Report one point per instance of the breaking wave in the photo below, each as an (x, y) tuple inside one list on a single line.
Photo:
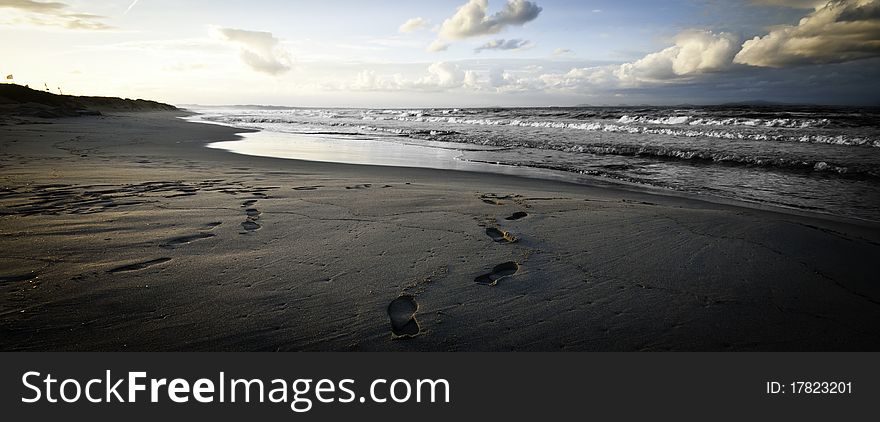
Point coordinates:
[(839, 139)]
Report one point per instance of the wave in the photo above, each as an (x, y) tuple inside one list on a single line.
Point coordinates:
[(626, 150), (258, 120), (234, 120), (725, 158), (626, 128), (694, 155), (729, 121), (746, 158)]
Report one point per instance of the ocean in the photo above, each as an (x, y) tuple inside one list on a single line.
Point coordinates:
[(817, 159)]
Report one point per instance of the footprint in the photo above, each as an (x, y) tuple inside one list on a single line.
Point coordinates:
[(139, 266), (402, 312), (250, 225), (182, 240), (500, 271), (630, 201), (500, 236), (248, 203), (517, 215), (252, 213), (494, 199), (363, 186)]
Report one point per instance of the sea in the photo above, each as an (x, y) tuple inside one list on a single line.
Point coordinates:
[(810, 158)]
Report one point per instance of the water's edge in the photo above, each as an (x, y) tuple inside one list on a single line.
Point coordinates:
[(249, 135)]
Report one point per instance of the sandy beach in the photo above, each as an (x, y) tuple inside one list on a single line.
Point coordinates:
[(124, 232)]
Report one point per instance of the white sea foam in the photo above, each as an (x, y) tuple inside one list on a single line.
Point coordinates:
[(655, 130)]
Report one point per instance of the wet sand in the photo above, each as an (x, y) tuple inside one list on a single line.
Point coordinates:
[(125, 232)]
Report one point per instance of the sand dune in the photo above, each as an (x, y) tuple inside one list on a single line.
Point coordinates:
[(18, 101)]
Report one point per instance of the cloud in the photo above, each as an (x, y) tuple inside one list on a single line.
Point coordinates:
[(369, 80), (502, 44), (580, 79), (839, 31), (413, 25), (438, 45), (472, 19), (694, 52), (562, 51), (439, 76), (464, 76), (28, 12), (442, 75), (259, 50), (34, 6), (502, 81)]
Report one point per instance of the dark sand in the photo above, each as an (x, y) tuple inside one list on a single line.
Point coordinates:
[(125, 233)]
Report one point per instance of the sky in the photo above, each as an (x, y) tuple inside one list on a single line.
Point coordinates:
[(447, 53)]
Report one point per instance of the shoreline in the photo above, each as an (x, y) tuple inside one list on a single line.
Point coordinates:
[(554, 176), (154, 238)]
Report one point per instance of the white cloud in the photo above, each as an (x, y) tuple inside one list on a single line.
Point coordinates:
[(413, 25), (472, 19), (34, 6), (694, 52), (438, 45), (839, 31), (502, 81), (369, 80), (502, 44), (562, 51), (259, 50), (498, 78), (442, 75), (580, 79), (439, 76), (38, 13)]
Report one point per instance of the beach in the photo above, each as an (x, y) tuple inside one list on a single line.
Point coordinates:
[(125, 232)]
